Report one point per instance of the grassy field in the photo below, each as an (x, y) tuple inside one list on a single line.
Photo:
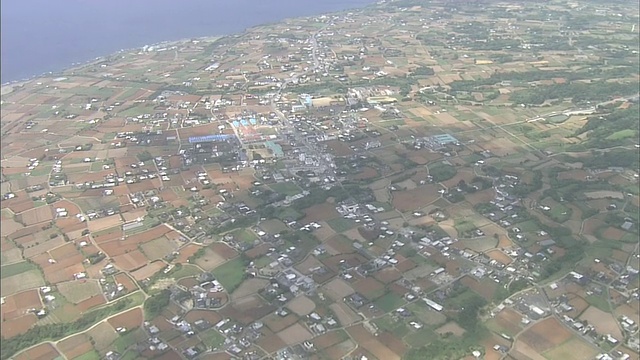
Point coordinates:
[(421, 337), (389, 302), (396, 327), (528, 226), (340, 224), (245, 235), (622, 134), (463, 226), (212, 338), (124, 342), (15, 269), (289, 213), (230, 274), (262, 261), (286, 188), (599, 302), (91, 355)]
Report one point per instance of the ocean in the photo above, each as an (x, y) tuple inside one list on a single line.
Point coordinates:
[(39, 36)]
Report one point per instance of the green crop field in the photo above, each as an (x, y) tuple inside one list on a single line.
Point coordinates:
[(230, 274), (15, 269)]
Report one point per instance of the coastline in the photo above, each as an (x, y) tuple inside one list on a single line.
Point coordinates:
[(361, 4), (79, 65)]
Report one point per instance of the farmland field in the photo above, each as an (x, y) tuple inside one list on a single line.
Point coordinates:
[(77, 291), (230, 274), (20, 282), (545, 335), (158, 248), (389, 302), (103, 335), (286, 188), (17, 268), (210, 260), (341, 225), (574, 349)]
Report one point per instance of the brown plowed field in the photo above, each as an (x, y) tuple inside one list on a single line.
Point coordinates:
[(545, 335), (417, 198), (91, 303), (75, 346), (148, 270), (320, 212), (365, 339), (130, 261), (211, 316), (129, 320), (40, 352), (18, 325), (295, 334), (224, 250)]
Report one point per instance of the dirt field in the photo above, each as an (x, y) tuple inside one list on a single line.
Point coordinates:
[(77, 291), (366, 340), (195, 315), (613, 233), (20, 282), (17, 305), (320, 212), (103, 335), (343, 312), (278, 323), (499, 256), (40, 352), (224, 250), (148, 270), (271, 342), (545, 335), (309, 263), (604, 322), (509, 321), (17, 325), (186, 252), (126, 281), (37, 215), (91, 302), (525, 352), (329, 339), (295, 334), (130, 261), (574, 349), (75, 346), (450, 327), (339, 351), (417, 198), (210, 260), (249, 287), (337, 289), (129, 320), (104, 223), (301, 305)]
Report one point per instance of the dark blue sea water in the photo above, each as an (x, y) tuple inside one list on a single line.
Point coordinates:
[(39, 36)]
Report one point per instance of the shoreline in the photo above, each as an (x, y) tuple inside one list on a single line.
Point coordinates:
[(78, 65)]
